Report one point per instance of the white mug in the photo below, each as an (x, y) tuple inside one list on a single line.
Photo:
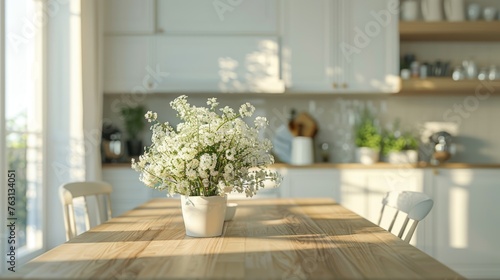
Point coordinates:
[(432, 10), (409, 10), (454, 10)]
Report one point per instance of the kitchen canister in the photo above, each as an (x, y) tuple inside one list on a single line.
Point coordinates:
[(302, 150), (454, 10), (489, 13), (473, 11), (409, 10), (432, 10)]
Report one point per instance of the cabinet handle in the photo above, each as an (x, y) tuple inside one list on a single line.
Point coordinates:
[(334, 85), (344, 85)]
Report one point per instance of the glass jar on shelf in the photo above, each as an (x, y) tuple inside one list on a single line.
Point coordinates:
[(493, 74), (458, 73), (483, 74)]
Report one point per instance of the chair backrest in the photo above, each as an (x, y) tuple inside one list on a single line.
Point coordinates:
[(415, 204), (70, 191)]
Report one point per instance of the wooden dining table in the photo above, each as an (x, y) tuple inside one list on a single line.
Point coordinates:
[(267, 239)]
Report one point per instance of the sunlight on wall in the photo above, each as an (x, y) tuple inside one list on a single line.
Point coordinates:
[(458, 210), (257, 72)]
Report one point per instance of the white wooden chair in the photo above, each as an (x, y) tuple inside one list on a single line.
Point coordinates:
[(70, 191), (415, 204)]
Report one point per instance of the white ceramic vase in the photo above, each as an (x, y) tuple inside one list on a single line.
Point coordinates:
[(203, 215), (367, 155)]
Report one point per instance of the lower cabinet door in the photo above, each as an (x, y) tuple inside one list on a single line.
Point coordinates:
[(467, 226), (128, 191), (311, 182)]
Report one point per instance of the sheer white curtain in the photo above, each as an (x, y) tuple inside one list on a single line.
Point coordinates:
[(3, 176), (74, 107)]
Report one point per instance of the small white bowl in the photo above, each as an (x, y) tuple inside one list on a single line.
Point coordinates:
[(230, 211)]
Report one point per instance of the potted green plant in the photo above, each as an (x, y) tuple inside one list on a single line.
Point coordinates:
[(134, 125), (368, 139), (400, 148)]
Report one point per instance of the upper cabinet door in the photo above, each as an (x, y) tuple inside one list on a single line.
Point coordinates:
[(218, 16), (368, 46), (129, 16), (219, 63), (307, 59), (127, 65), (341, 46)]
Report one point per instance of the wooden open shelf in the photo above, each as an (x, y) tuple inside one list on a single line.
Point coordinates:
[(449, 31), (448, 86)]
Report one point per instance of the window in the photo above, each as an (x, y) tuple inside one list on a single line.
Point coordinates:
[(23, 95)]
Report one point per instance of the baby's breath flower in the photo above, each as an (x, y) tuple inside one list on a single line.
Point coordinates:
[(150, 116), (207, 153), (230, 154), (246, 110), (212, 102), (260, 122)]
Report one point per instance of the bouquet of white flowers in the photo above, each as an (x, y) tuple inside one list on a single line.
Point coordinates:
[(211, 152)]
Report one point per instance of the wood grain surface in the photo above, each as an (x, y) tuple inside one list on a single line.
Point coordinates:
[(267, 239)]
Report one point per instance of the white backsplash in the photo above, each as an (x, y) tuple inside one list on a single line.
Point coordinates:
[(478, 126)]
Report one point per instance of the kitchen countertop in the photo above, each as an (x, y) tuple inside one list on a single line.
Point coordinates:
[(379, 165)]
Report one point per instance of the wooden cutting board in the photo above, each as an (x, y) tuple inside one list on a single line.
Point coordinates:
[(303, 125)]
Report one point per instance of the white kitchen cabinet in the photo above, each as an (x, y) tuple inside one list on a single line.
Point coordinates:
[(341, 46), (310, 182), (128, 66), (128, 191), (218, 63), (307, 55), (218, 17), (129, 16), (362, 191), (467, 226), (369, 46)]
